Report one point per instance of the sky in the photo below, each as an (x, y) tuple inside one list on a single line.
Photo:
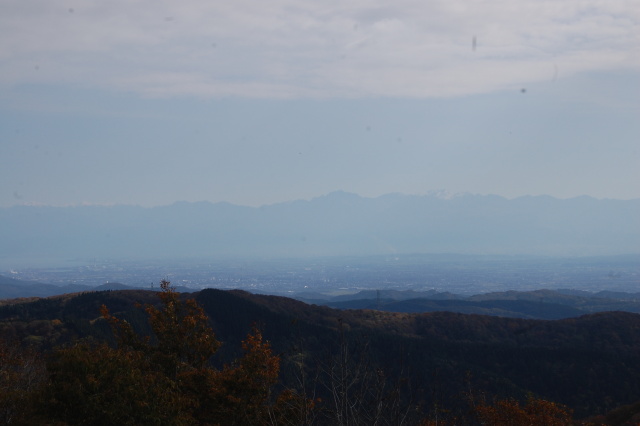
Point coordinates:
[(257, 102)]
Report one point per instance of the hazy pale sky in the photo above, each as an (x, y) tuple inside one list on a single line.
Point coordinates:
[(255, 102)]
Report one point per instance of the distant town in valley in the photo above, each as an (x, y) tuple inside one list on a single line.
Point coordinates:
[(331, 276)]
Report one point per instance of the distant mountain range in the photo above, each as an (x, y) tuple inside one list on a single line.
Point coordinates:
[(336, 224), (537, 304), (11, 288)]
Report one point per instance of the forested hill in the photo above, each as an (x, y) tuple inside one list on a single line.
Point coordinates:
[(537, 304), (590, 363)]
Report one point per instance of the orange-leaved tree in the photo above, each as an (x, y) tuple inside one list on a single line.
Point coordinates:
[(166, 378), (183, 339), (534, 412), (241, 393)]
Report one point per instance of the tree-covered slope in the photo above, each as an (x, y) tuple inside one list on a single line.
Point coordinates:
[(590, 363)]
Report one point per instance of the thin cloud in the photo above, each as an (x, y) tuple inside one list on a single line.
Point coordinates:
[(287, 49)]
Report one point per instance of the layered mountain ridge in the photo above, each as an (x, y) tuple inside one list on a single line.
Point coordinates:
[(336, 224)]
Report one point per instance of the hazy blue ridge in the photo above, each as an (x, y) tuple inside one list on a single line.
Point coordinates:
[(335, 224)]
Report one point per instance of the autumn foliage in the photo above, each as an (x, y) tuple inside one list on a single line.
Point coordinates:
[(166, 378), (22, 375), (534, 412), (162, 366)]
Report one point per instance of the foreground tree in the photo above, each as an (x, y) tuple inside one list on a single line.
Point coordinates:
[(22, 377), (358, 391), (94, 384), (165, 378), (241, 393)]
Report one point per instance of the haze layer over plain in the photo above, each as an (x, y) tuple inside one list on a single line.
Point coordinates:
[(336, 224)]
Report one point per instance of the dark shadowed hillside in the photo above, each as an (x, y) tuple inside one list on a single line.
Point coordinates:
[(537, 304), (591, 363)]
